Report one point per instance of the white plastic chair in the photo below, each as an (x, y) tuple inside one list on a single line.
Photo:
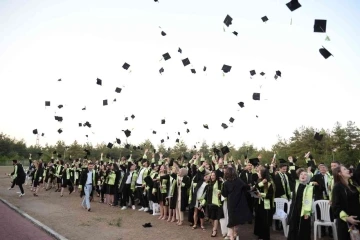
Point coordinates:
[(280, 213), (325, 216), (156, 209)]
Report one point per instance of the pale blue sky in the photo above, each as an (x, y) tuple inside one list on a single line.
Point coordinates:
[(79, 41)]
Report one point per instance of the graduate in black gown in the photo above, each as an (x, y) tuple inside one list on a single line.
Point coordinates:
[(299, 220)]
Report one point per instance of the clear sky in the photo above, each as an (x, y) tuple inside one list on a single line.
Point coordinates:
[(79, 41)]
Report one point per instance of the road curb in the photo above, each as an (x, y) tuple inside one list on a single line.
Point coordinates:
[(34, 221)]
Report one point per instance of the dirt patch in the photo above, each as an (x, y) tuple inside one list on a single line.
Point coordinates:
[(66, 216)]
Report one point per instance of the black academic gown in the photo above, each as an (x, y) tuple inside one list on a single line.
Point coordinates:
[(20, 174), (299, 227), (263, 217), (238, 210), (184, 193)]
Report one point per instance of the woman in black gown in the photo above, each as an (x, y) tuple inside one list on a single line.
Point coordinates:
[(299, 220), (345, 202)]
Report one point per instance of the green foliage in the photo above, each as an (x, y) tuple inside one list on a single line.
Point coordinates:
[(342, 143)]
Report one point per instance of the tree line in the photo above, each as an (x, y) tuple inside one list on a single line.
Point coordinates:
[(341, 143)]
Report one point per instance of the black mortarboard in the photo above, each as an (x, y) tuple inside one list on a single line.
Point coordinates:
[(127, 146), (206, 126), (278, 73), (127, 133), (126, 66), (166, 56), (325, 53), (98, 81), (254, 161), (110, 145), (86, 135), (282, 161), (262, 73), (58, 118), (193, 71), (118, 90), (179, 133), (187, 130), (226, 68), (264, 19), (225, 150), (126, 118), (318, 136), (204, 69), (185, 122), (47, 103), (105, 102), (241, 104), (134, 148), (231, 120), (163, 33), (293, 5), (114, 100), (168, 138), (320, 26), (294, 159), (59, 130), (80, 124), (42, 134), (83, 108), (118, 141), (224, 125), (161, 70), (228, 20), (154, 132), (180, 51), (132, 116), (186, 62), (256, 96), (235, 33), (35, 131), (60, 106), (310, 163), (276, 76), (162, 141), (59, 80), (216, 151), (163, 121), (87, 124), (252, 72), (177, 140)]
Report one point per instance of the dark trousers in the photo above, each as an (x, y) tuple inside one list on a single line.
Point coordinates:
[(126, 194), (13, 184), (116, 195), (102, 192), (140, 195), (21, 188)]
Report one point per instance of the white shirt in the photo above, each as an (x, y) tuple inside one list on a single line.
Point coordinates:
[(140, 177), (128, 180), (89, 178)]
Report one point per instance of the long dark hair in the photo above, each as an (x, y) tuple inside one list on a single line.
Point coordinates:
[(230, 174), (338, 178)]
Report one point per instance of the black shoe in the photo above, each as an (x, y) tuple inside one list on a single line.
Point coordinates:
[(151, 212)]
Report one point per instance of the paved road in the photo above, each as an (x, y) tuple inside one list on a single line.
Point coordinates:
[(14, 227)]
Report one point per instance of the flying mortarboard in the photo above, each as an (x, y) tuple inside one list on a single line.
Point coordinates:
[(132, 116), (252, 72), (163, 121), (187, 130), (318, 136), (43, 134), (262, 73), (118, 141), (216, 151), (60, 106), (180, 51), (154, 132), (293, 5), (126, 66), (206, 126), (282, 161), (80, 124), (163, 33), (241, 104), (265, 19), (231, 120), (166, 56), (60, 131), (98, 81), (310, 163), (110, 145), (256, 96), (177, 140), (228, 20), (35, 131), (224, 125), (235, 33), (58, 118), (320, 26), (84, 108), (126, 118), (105, 102), (185, 122), (193, 71), (186, 61), (225, 150), (325, 53), (254, 161), (47, 103), (118, 90), (127, 133), (204, 69), (162, 141), (179, 133), (226, 68), (278, 73), (59, 80), (127, 146), (161, 70)]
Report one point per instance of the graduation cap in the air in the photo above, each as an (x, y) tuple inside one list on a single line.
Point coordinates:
[(162, 141), (223, 125), (216, 151), (127, 133), (293, 5), (227, 20), (154, 132), (225, 150), (98, 81), (43, 134), (206, 126), (256, 96), (83, 108), (58, 118), (254, 161), (186, 61), (231, 120), (294, 159), (278, 73), (241, 104), (320, 26), (126, 118), (185, 122), (325, 53), (47, 103), (177, 140), (235, 33), (87, 124), (187, 130), (114, 100), (262, 73), (204, 69), (59, 80), (193, 71), (179, 133), (282, 161), (161, 70), (35, 131), (167, 137), (105, 102), (60, 130), (127, 146), (126, 66), (132, 116), (318, 136), (110, 145), (226, 68), (310, 163), (60, 106), (80, 124), (179, 50), (163, 33), (118, 141), (252, 72), (264, 19), (166, 56), (118, 90), (163, 121)]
